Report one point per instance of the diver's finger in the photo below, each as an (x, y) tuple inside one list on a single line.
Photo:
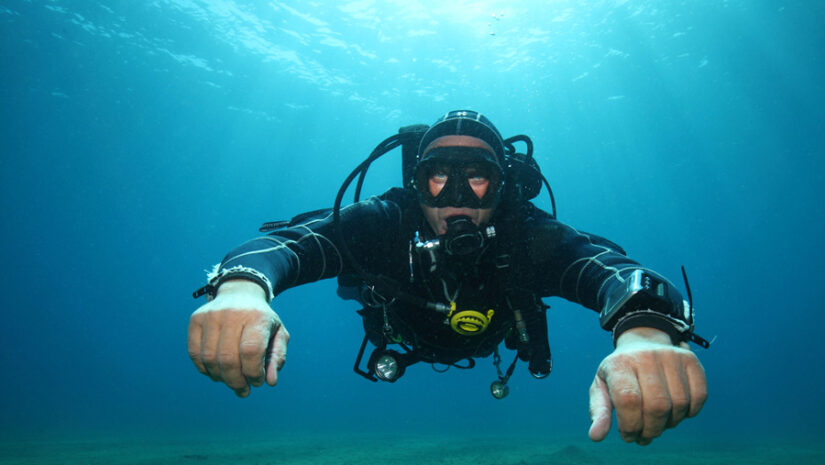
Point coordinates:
[(276, 354), (601, 410), (209, 346), (253, 345), (229, 357), (656, 403), (679, 389), (193, 342), (698, 386), (626, 396)]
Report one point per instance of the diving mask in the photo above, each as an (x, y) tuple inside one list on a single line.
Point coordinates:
[(458, 171)]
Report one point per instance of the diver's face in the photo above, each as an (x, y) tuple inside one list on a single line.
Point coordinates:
[(437, 217), (458, 180)]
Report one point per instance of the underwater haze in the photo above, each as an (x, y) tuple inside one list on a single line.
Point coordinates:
[(143, 140)]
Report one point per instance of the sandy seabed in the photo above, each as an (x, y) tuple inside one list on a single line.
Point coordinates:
[(331, 448)]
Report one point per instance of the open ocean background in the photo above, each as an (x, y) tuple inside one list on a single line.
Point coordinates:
[(142, 140)]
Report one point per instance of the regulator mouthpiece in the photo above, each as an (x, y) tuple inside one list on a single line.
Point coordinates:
[(464, 238)]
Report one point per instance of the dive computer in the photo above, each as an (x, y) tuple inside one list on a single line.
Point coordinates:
[(645, 295)]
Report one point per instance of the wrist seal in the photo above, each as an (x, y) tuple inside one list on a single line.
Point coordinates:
[(676, 329)]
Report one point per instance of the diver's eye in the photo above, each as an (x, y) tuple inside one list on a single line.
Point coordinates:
[(478, 179), (437, 182), (479, 186), (475, 175), (475, 170)]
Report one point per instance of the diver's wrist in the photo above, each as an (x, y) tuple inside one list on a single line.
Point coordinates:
[(241, 285), (645, 318), (643, 334)]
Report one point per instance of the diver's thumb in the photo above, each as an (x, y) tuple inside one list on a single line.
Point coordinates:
[(601, 410)]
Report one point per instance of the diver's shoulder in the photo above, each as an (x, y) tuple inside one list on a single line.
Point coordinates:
[(398, 195), (542, 229), (394, 198), (528, 215), (392, 203)]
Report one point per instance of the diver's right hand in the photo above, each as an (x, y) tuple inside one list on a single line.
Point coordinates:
[(236, 338)]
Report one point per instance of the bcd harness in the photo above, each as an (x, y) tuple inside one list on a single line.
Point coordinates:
[(501, 309)]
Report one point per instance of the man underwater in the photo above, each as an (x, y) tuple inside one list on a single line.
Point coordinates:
[(448, 268)]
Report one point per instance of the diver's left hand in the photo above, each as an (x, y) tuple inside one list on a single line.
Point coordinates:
[(652, 384)]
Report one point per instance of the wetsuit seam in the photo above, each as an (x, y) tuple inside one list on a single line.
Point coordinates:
[(281, 245), (588, 260), (284, 244)]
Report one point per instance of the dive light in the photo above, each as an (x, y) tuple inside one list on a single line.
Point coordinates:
[(387, 365), (499, 389)]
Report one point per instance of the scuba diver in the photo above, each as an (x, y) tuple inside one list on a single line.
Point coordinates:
[(448, 268)]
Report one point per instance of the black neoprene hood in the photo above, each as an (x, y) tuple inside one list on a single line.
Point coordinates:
[(464, 123)]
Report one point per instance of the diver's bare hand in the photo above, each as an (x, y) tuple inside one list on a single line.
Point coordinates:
[(236, 338), (652, 384)]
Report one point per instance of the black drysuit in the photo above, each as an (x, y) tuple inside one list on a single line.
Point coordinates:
[(531, 256)]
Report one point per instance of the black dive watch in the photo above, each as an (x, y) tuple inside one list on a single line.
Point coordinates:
[(647, 299)]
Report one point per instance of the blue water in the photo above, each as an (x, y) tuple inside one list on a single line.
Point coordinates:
[(141, 141)]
